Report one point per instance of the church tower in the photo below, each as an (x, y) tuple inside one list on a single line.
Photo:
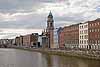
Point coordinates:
[(50, 30)]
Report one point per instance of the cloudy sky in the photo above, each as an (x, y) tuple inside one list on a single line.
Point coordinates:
[(20, 17)]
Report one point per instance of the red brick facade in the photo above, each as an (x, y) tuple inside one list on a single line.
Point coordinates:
[(94, 33), (71, 36), (27, 40), (61, 38)]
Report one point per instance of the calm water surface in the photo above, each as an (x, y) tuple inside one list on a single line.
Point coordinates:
[(20, 58)]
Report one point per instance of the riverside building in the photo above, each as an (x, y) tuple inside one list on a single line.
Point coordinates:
[(83, 35)]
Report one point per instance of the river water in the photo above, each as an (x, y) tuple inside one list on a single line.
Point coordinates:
[(21, 58)]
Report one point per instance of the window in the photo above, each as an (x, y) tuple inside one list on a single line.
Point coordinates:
[(87, 41), (80, 42), (85, 31), (90, 41), (80, 37), (92, 24), (95, 30), (95, 24), (84, 41), (80, 27), (51, 24), (90, 30), (86, 37), (80, 32), (98, 41), (98, 30), (98, 23), (85, 26)]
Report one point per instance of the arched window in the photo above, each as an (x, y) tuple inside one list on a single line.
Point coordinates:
[(51, 24)]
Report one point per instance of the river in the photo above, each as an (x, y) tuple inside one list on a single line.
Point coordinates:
[(21, 58)]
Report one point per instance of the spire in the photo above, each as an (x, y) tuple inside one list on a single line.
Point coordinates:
[(50, 15)]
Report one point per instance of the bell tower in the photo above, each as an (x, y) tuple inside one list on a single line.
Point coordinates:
[(50, 30)]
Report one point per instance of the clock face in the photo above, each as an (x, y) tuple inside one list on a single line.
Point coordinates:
[(49, 18)]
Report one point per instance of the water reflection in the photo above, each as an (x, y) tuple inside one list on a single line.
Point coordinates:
[(20, 58), (61, 61)]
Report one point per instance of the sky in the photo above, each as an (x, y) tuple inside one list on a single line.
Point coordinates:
[(21, 17)]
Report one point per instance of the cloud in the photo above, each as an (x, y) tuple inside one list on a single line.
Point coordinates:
[(32, 14), (12, 33)]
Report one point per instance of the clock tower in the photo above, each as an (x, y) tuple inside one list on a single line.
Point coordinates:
[(50, 30)]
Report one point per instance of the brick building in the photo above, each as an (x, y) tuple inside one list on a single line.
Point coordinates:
[(94, 34), (61, 38), (71, 36), (30, 40), (27, 40), (89, 34), (83, 35)]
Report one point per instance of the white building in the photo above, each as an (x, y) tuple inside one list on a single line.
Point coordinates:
[(83, 35), (40, 39), (56, 39)]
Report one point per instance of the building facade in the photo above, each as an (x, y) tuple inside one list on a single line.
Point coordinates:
[(21, 41), (83, 35), (17, 41), (61, 37), (56, 38), (71, 36), (30, 40), (6, 42), (45, 39), (40, 39), (94, 34)]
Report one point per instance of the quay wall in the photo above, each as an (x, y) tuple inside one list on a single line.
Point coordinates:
[(78, 54)]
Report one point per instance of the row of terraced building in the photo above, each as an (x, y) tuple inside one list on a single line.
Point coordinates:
[(82, 35), (28, 40)]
